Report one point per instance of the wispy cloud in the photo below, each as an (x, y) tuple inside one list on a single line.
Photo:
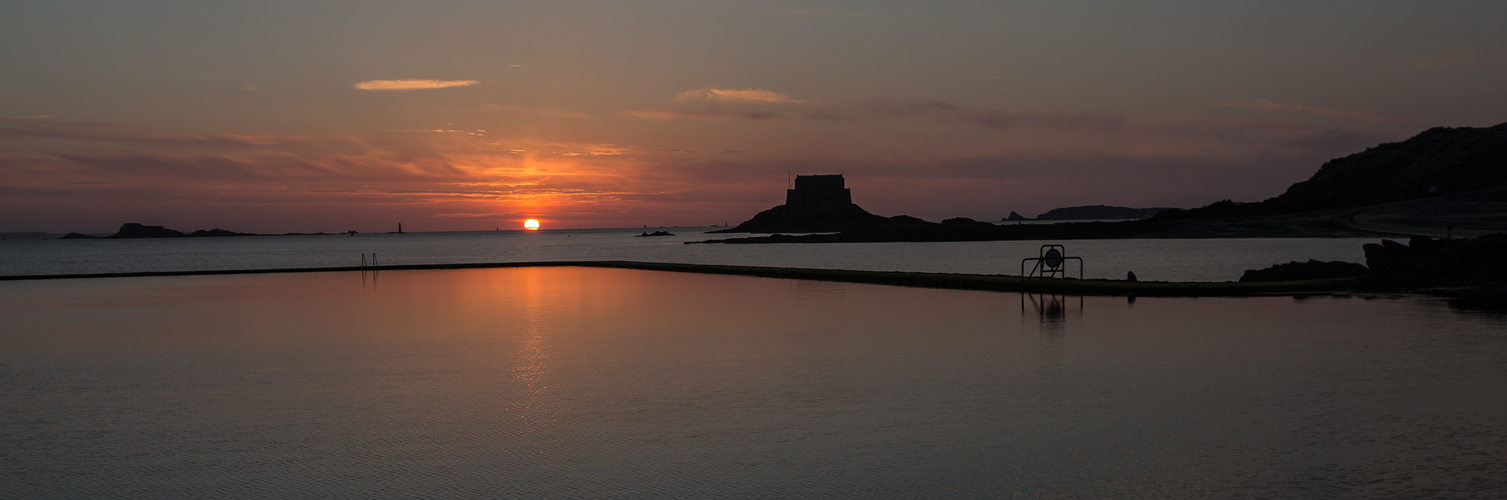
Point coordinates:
[(477, 133), (943, 111), (662, 114), (757, 104), (96, 133), (1269, 105), (827, 13), (735, 104), (1299, 136), (732, 96), (541, 112), (395, 85)]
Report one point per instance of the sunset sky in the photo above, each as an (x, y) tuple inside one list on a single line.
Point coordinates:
[(277, 116)]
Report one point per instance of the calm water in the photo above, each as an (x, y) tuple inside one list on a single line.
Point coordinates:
[(1165, 260), (571, 382)]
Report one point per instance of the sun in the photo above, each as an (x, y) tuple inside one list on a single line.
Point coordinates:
[(531, 224)]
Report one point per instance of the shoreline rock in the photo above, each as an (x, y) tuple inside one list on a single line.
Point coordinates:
[(1311, 270)]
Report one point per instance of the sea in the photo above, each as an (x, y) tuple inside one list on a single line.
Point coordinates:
[(1150, 259), (571, 382)]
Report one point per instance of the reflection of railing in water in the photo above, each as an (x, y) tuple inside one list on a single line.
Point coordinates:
[(368, 267), (1049, 308)]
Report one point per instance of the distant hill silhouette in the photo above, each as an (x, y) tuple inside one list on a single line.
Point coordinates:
[(1437, 162), (1099, 212)]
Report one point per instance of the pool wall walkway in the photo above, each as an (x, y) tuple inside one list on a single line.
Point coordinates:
[(986, 282)]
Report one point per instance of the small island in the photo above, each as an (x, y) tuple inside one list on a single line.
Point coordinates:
[(132, 230)]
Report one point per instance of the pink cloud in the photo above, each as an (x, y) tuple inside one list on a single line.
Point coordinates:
[(413, 84), (735, 96), (758, 105)]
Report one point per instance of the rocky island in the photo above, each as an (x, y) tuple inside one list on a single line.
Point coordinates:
[(138, 230), (820, 204)]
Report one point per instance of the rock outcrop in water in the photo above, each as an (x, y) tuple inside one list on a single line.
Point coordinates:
[(819, 204), (1427, 262), (1302, 271), (1473, 272)]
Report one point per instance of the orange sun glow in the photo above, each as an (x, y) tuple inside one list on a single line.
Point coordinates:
[(531, 224)]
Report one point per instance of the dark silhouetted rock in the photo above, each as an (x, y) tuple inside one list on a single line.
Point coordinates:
[(817, 204), (135, 230), (1427, 262), (807, 219), (656, 233), (216, 232), (1130, 276), (1311, 270), (1014, 217)]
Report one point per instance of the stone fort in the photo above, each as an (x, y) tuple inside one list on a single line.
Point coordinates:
[(814, 190)]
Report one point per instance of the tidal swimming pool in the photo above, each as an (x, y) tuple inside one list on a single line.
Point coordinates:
[(577, 382)]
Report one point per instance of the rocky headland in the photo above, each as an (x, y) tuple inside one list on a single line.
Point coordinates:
[(1443, 182)]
